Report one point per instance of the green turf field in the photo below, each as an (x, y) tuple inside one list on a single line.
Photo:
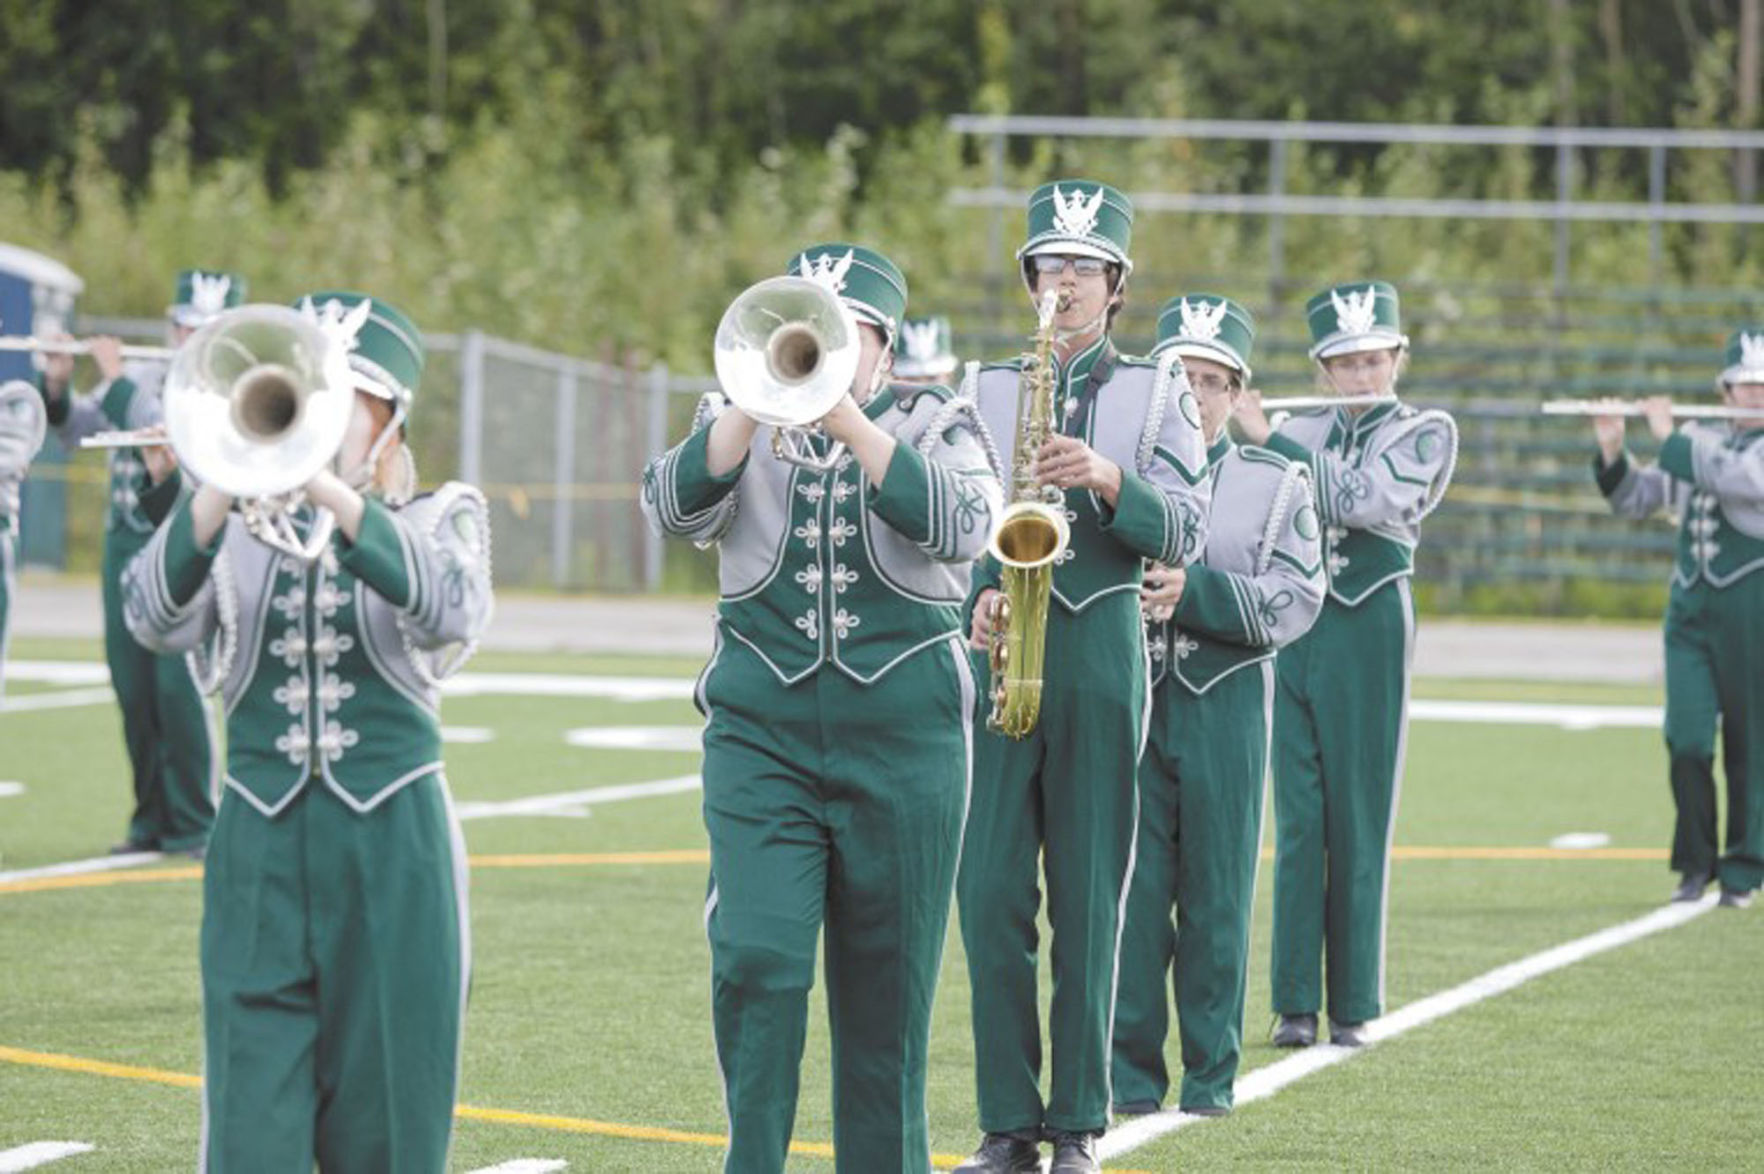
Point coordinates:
[(589, 1040)]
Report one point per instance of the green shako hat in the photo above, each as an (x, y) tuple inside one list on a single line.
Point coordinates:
[(1355, 316), (923, 349), (870, 285), (385, 347), (202, 295), (1080, 218), (1207, 326), (1744, 357)]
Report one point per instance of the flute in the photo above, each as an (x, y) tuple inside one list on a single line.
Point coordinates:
[(49, 346), (1593, 407)]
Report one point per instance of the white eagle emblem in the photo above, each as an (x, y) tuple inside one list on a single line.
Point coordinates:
[(827, 270), (1357, 312), (1076, 216), (340, 322), (920, 339), (208, 295), (1202, 321), (1752, 351)]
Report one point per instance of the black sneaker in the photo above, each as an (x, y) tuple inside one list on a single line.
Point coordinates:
[(1690, 887), (1137, 1109), (1004, 1153), (1074, 1153), (131, 847), (1207, 1110), (1736, 898), (1347, 1035), (1295, 1031)]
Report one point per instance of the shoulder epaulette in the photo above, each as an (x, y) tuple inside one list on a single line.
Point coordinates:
[(1266, 456)]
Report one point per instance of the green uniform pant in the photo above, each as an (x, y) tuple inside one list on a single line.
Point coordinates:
[(1340, 715), (335, 958), (836, 807), (1715, 676), (166, 724), (1065, 798), (1200, 828)]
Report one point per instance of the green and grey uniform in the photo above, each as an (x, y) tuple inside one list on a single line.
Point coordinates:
[(167, 726), (1341, 713), (1064, 797), (22, 424), (836, 750), (1258, 587), (335, 945), (1713, 476)]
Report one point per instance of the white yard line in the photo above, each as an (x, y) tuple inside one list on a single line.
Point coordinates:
[(39, 1153), (78, 867), (10, 788), (576, 803), (1265, 1082), (57, 699), (689, 739), (524, 1166), (1538, 713)]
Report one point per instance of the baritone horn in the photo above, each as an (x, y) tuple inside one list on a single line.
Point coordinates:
[(256, 403), (786, 352)]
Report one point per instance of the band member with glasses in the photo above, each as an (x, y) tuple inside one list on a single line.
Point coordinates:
[(1712, 473), (167, 728), (1129, 465), (336, 950), (1213, 629), (1341, 713), (836, 746)]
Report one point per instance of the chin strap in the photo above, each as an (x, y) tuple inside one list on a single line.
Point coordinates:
[(361, 478)]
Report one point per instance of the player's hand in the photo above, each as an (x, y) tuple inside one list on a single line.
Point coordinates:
[(980, 636), (107, 353), (1252, 421), (1658, 410), (1162, 591)]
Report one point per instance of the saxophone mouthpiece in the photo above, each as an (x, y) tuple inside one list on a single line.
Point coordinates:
[(1064, 303)]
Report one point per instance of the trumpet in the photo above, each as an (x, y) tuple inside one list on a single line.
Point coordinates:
[(1594, 407), (30, 343), (786, 352)]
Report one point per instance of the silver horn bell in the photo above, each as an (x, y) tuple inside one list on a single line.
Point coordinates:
[(786, 352)]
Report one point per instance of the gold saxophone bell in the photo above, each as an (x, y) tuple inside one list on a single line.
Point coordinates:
[(1031, 536)]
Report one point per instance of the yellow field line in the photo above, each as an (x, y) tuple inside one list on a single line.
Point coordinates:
[(463, 1112), (701, 856)]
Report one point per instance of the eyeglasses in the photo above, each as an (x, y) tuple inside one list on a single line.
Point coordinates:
[(1082, 266), (1210, 384)]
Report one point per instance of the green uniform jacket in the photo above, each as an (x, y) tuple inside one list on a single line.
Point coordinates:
[(127, 402), (1713, 476), (813, 567), (1377, 476), (329, 670), (1259, 585)]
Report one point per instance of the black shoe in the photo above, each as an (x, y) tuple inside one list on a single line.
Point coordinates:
[(199, 852), (1690, 887), (130, 847), (1207, 1110), (1004, 1153), (1347, 1035), (1074, 1153), (1137, 1109), (1736, 898), (1295, 1031)]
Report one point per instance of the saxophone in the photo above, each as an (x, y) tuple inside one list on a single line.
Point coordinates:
[(1029, 539)]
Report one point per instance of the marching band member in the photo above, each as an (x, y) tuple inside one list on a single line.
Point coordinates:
[(1343, 688), (1712, 473), (335, 945), (167, 727), (1129, 459), (836, 751), (1214, 628), (22, 424), (922, 351)]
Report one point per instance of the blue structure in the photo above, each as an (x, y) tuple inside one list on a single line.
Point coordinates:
[(37, 296)]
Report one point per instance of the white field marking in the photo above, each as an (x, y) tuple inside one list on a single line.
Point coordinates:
[(58, 699), (9, 789), (686, 738), (39, 1153), (576, 803), (1533, 713), (524, 1166), (59, 672), (1580, 841), (467, 734), (1265, 1082), (559, 685), (77, 867)]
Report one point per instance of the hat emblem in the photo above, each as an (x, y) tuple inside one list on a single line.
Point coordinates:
[(208, 295), (1356, 313), (1201, 321), (919, 340), (1751, 351), (1076, 216), (339, 322), (827, 270)]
